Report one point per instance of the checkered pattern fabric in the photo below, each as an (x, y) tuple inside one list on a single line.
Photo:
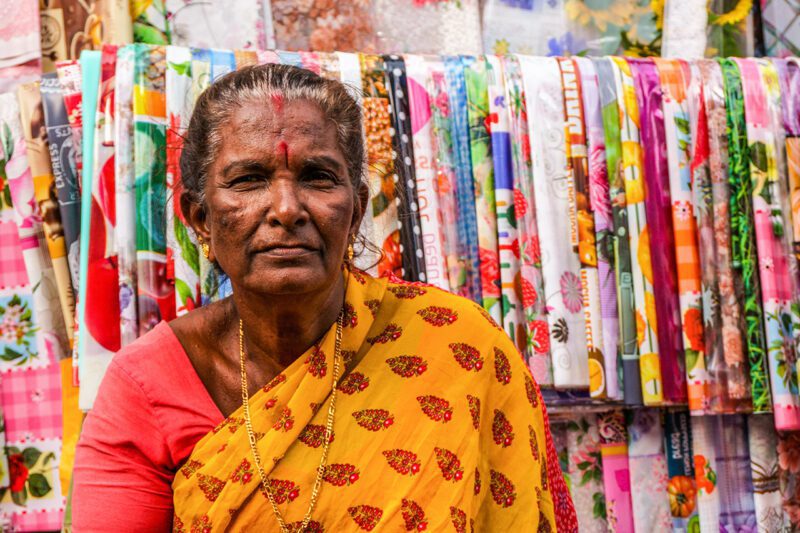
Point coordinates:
[(12, 265), (31, 401)]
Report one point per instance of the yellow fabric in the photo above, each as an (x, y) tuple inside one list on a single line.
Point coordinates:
[(434, 398)]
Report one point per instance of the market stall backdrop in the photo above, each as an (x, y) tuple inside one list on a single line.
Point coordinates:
[(664, 333)]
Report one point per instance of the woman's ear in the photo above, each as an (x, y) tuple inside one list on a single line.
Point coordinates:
[(362, 196), (195, 215)]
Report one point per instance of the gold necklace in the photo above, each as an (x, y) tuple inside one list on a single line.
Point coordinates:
[(337, 354)]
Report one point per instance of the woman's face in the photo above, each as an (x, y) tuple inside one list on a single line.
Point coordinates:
[(280, 205)]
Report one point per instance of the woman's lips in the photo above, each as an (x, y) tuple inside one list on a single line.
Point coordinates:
[(288, 251)]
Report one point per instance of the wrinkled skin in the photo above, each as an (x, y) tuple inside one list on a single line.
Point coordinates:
[(279, 211)]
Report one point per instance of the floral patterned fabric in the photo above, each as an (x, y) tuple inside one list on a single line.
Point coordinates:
[(600, 204), (530, 281), (775, 269), (626, 308), (560, 264), (586, 473), (480, 121), (743, 246), (496, 407), (616, 471), (648, 466), (765, 473)]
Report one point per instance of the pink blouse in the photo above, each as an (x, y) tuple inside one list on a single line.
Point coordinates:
[(150, 411)]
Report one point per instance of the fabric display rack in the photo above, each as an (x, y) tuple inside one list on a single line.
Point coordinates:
[(632, 223)]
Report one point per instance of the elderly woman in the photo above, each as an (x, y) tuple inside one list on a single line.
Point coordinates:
[(315, 398)]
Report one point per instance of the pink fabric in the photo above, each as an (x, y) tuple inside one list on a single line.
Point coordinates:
[(150, 411), (12, 265), (31, 400)]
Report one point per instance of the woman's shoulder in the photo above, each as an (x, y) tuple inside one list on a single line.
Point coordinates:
[(438, 307), (152, 353)]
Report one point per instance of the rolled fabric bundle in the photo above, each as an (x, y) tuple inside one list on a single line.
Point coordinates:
[(705, 472), (763, 444), (648, 467), (585, 472), (681, 488), (616, 470), (734, 478)]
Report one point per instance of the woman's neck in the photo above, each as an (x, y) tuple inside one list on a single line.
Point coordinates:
[(279, 329)]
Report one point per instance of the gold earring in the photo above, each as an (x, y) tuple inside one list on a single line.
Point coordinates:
[(350, 251), (204, 247)]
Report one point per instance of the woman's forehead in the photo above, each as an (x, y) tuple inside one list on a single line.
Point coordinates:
[(296, 121)]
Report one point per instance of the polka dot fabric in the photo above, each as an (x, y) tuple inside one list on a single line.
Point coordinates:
[(439, 426), (405, 181)]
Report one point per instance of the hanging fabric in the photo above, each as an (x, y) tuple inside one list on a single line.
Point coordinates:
[(465, 188), (600, 205), (419, 101), (582, 233), (411, 244), (632, 380), (498, 124), (551, 184), (658, 208), (729, 375), (475, 78), (530, 282), (772, 262), (648, 467), (743, 247)]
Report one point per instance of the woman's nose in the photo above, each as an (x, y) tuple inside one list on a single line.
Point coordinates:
[(286, 206)]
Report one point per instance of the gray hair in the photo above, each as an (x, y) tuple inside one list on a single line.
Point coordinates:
[(260, 83)]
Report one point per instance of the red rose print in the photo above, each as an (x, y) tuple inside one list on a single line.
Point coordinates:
[(406, 292), (502, 431), (340, 475), (283, 490), (474, 410), (210, 486), (390, 333), (449, 464), (459, 519), (355, 382), (17, 471), (277, 380), (317, 366), (313, 435)]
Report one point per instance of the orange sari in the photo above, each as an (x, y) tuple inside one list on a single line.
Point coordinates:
[(438, 425)]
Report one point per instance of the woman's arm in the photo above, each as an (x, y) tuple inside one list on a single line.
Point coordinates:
[(123, 472)]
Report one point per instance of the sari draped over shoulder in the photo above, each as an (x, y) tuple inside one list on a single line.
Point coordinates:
[(439, 426)]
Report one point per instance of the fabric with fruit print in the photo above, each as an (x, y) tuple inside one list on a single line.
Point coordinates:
[(497, 123), (560, 264), (401, 346), (652, 373), (600, 204), (528, 281)]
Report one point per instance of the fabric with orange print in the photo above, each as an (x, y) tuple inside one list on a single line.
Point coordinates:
[(438, 424), (674, 75), (639, 238)]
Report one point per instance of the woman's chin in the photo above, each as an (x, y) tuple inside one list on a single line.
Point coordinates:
[(290, 279)]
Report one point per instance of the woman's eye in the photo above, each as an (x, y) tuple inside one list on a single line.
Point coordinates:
[(321, 175), (250, 178)]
